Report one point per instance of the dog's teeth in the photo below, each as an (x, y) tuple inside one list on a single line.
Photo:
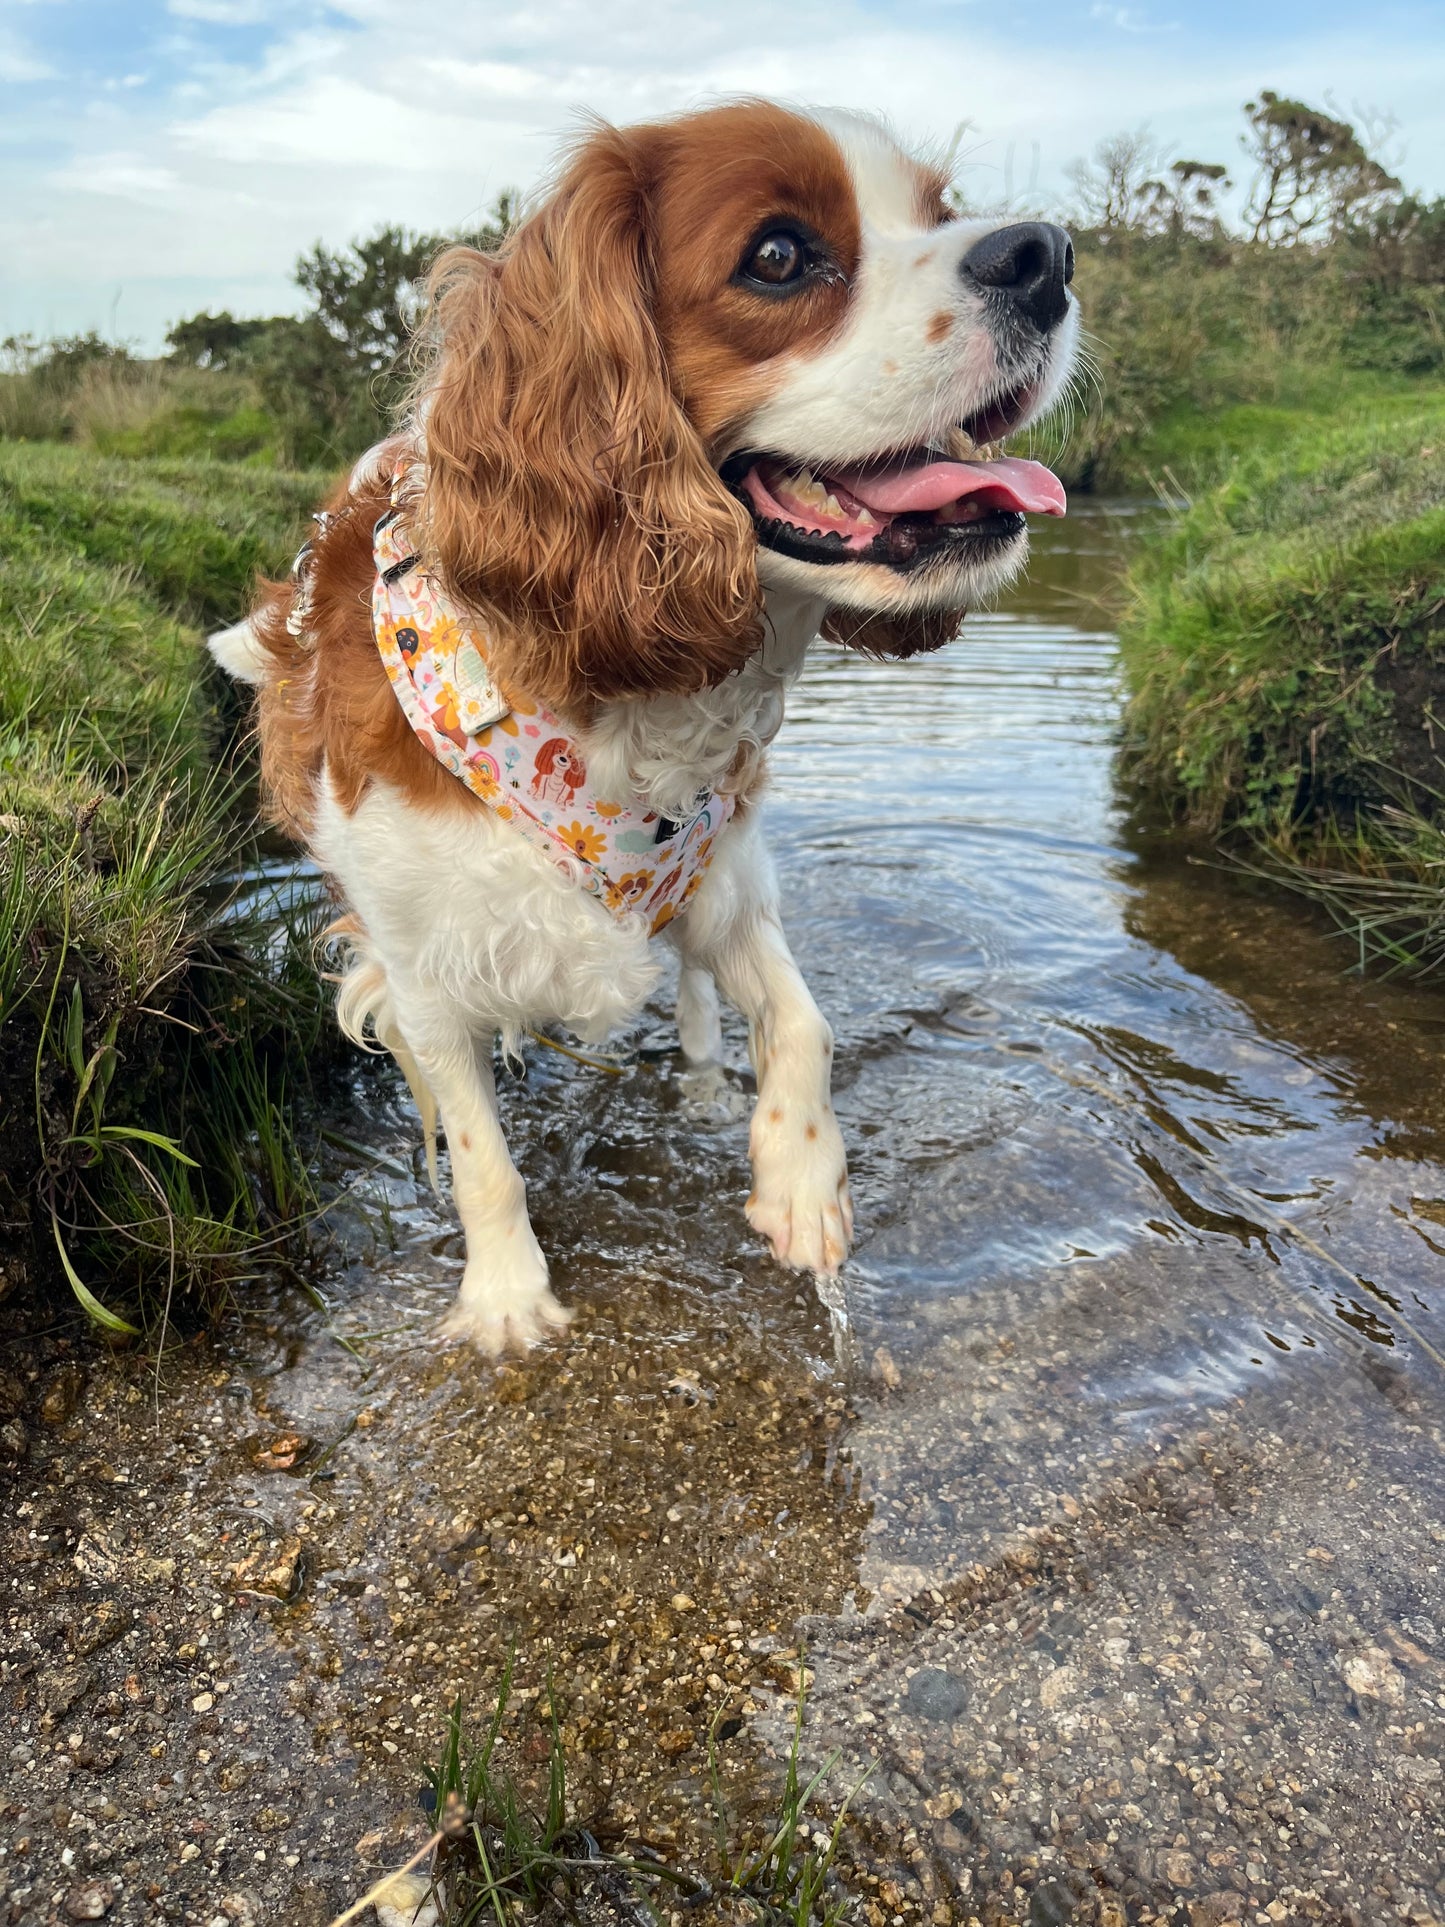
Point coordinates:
[(865, 520), (830, 503)]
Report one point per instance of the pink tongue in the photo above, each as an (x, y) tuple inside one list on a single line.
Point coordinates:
[(1027, 486)]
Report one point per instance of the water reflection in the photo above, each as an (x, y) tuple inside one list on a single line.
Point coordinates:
[(1149, 1288)]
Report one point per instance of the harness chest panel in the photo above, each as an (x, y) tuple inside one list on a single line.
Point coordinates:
[(520, 758)]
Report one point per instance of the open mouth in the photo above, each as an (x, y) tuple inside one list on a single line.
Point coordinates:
[(902, 510)]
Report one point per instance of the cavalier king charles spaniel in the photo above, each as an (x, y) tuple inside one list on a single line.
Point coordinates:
[(731, 386)]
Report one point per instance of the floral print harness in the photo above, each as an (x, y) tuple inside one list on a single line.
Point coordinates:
[(520, 758)]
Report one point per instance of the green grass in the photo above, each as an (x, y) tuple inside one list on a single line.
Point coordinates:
[(148, 1037), (1206, 350), (1284, 649), (117, 405), (501, 1858)]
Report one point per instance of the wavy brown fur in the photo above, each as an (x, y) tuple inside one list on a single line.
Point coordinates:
[(330, 700), (893, 637), (568, 497)]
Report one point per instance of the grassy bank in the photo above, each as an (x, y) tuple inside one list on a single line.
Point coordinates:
[(1206, 349), (148, 1035), (1284, 647)]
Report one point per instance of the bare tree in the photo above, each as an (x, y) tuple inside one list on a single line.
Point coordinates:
[(1116, 189)]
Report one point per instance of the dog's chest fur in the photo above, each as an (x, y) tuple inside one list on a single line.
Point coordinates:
[(458, 902)]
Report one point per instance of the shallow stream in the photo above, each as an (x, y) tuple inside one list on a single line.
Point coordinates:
[(1114, 1529)]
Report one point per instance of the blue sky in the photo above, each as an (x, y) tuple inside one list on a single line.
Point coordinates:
[(161, 156)]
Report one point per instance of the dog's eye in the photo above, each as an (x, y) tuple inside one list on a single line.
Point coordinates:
[(778, 259)]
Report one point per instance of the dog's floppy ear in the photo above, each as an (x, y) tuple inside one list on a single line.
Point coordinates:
[(893, 635), (568, 498)]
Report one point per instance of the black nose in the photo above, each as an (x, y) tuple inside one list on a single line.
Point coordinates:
[(1030, 264)]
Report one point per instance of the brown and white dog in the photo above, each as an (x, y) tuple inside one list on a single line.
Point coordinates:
[(724, 390)]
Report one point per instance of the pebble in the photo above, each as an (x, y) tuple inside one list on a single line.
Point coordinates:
[(937, 1695)]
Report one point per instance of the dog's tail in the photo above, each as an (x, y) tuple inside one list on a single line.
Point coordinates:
[(240, 652)]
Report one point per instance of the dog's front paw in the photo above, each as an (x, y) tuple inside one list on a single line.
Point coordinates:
[(500, 1310), (800, 1201)]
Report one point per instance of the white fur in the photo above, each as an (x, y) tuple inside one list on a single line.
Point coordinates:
[(882, 385), (239, 653), (470, 933)]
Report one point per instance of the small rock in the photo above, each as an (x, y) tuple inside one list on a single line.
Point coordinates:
[(885, 1370), (1373, 1674), (272, 1820), (1178, 1868), (276, 1570), (1215, 1909), (283, 1453), (672, 1745), (62, 1397), (93, 1901), (936, 1695), (203, 1702), (67, 1689), (683, 1602), (96, 1558), (406, 1902), (241, 1907)]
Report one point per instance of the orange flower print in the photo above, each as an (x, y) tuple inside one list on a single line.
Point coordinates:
[(635, 885), (447, 714), (587, 843), (608, 809)]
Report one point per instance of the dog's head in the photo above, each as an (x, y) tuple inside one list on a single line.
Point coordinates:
[(747, 349)]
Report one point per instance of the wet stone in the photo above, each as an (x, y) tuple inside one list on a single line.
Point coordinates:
[(1051, 1905), (936, 1695)]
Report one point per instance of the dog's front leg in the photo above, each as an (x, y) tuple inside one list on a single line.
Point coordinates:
[(505, 1299), (800, 1201)]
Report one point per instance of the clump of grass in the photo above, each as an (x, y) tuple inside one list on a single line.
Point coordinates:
[(1283, 638), (153, 1042), (498, 1857), (1383, 886), (1284, 648)]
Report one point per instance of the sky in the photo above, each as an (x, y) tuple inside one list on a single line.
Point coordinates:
[(158, 157)]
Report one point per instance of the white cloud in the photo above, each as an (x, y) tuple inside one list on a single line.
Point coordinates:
[(19, 64), (125, 176), (225, 13), (423, 116)]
